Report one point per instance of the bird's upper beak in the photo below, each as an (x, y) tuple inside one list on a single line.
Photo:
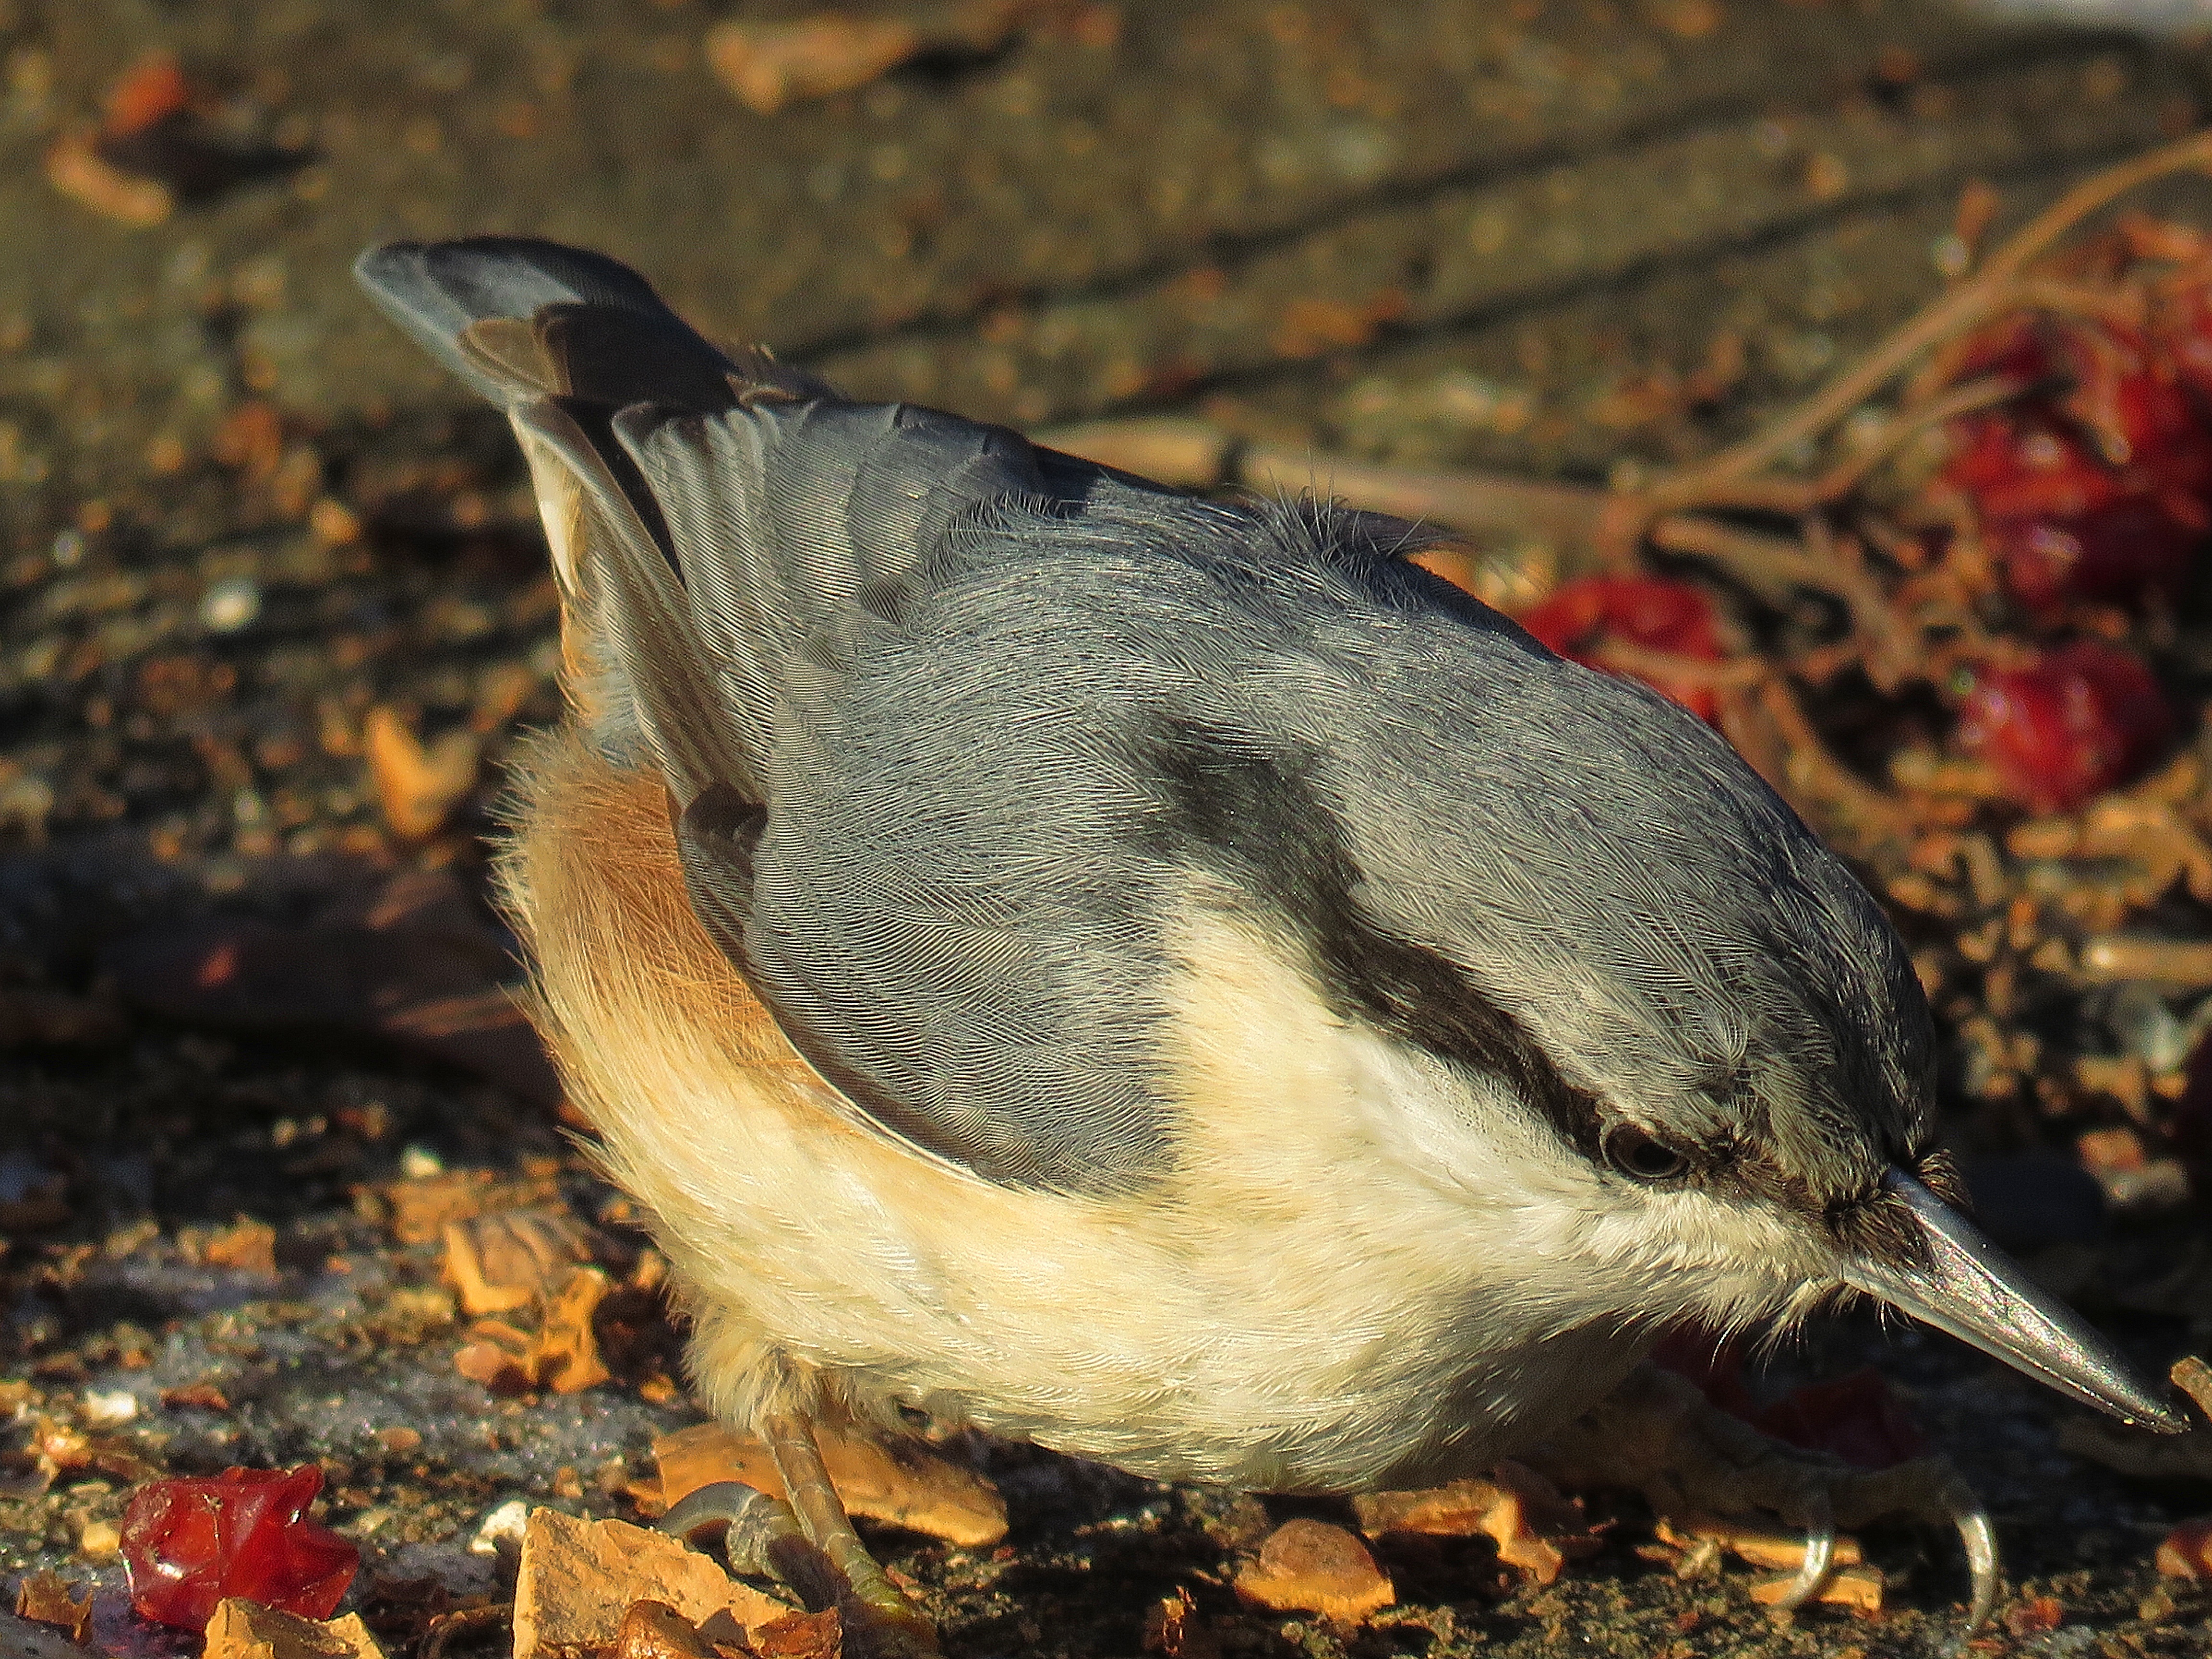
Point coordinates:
[(1965, 1286)]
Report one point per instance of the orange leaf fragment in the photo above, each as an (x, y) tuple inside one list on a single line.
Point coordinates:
[(2186, 1551), (509, 1259), (46, 1598), (418, 785), (245, 1630), (577, 1580), (1309, 1566), (914, 1488)]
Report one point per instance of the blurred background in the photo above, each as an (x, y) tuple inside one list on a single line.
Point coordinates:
[(272, 613)]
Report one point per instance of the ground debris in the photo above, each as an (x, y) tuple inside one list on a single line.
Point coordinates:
[(509, 1259), (577, 1580), (1536, 1529), (46, 1598), (1309, 1566), (246, 1630), (915, 1488)]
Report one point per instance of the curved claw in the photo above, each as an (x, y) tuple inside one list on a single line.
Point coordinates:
[(1971, 1518), (1820, 1554)]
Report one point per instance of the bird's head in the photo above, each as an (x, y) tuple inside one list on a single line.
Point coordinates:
[(1622, 996)]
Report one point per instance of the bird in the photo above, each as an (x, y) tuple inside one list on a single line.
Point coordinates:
[(1166, 978)]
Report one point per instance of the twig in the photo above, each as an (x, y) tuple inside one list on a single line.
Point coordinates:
[(1987, 291), (1474, 502)]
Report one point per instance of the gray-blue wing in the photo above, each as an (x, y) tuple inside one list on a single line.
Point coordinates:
[(906, 823)]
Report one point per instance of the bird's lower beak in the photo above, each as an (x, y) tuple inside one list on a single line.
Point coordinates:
[(1969, 1287)]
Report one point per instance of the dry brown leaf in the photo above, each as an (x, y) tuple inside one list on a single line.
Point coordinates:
[(917, 1488), (769, 64), (2186, 1551), (801, 1636), (419, 1211), (418, 785), (46, 1598), (567, 1358), (1308, 1566), (246, 1630), (508, 1259), (578, 1579), (1536, 1529), (1757, 1546), (75, 167)]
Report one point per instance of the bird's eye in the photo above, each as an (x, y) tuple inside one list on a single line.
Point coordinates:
[(1640, 1157)]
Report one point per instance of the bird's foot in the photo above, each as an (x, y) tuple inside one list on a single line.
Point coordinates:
[(1659, 1434), (808, 1544)]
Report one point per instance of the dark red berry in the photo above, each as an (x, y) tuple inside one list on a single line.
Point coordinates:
[(2112, 554), (190, 1543), (2086, 718)]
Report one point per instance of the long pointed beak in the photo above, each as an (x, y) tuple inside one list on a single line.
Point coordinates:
[(1980, 1295)]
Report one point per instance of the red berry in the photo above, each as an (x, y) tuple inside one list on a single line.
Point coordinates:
[(1660, 616), (2027, 465), (2114, 552), (2085, 718), (1857, 1417), (188, 1544)]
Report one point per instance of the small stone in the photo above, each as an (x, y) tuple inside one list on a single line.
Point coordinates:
[(246, 1630), (1308, 1566), (230, 604), (504, 1525)]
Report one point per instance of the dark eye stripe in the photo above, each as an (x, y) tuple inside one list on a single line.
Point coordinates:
[(1255, 814)]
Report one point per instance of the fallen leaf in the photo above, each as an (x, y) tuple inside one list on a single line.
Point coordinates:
[(1308, 1566), (916, 1488), (418, 1211), (499, 1357), (800, 1636), (1535, 1529), (566, 1357), (1858, 1588), (2186, 1551), (509, 1259), (46, 1598), (1757, 1546), (418, 785), (578, 1579), (246, 1630)]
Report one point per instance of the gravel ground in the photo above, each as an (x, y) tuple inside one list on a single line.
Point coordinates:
[(239, 517)]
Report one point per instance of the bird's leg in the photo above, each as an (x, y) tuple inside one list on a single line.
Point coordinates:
[(1658, 1433), (809, 1544), (879, 1619)]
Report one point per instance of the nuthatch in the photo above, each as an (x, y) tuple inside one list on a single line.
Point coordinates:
[(1169, 980)]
